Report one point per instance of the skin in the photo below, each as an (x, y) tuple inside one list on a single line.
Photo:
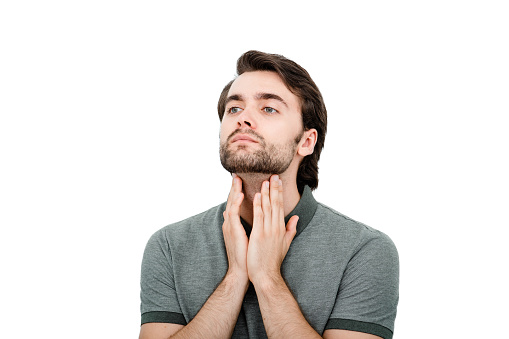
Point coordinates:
[(263, 200)]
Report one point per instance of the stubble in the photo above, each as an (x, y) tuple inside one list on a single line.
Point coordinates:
[(265, 159)]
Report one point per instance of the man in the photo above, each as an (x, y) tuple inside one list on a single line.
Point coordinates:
[(271, 261)]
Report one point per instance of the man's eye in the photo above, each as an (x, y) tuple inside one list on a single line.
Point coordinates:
[(270, 110), (234, 110)]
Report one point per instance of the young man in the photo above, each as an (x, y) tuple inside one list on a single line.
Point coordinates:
[(271, 261)]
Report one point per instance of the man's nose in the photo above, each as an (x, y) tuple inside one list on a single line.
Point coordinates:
[(246, 118)]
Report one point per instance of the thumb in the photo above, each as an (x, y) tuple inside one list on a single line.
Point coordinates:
[(291, 229)]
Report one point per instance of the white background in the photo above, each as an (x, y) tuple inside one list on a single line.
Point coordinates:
[(109, 131)]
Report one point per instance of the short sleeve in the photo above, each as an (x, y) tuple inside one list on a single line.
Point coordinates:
[(159, 302), (368, 293)]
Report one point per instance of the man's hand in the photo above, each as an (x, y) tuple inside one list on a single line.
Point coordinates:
[(270, 238), (235, 238)]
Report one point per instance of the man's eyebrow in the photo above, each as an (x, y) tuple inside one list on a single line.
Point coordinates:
[(258, 96), (268, 96), (234, 97)]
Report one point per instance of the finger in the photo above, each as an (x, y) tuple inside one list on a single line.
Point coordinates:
[(238, 201), (233, 214), (238, 197), (257, 213), (291, 229), (281, 204), (274, 200), (231, 194), (266, 205)]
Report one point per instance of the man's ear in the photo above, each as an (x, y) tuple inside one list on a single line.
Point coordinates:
[(307, 142)]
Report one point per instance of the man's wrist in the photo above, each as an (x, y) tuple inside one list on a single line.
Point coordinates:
[(236, 280), (266, 284)]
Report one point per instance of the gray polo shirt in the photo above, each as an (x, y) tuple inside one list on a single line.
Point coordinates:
[(343, 274)]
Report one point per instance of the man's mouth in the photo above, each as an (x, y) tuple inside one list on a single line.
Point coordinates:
[(243, 138)]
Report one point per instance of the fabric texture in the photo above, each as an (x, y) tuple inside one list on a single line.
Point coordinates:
[(342, 273)]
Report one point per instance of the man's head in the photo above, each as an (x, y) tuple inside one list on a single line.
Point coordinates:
[(275, 103)]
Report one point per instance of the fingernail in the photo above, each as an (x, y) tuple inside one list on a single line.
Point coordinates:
[(267, 184), (280, 182), (276, 178), (234, 175)]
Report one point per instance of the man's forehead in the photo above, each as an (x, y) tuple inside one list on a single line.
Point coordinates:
[(261, 85)]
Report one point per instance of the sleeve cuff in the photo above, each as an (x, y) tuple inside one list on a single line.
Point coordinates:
[(163, 317), (359, 326)]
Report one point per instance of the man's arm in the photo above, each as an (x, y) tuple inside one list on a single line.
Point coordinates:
[(216, 319), (281, 314), (218, 316), (283, 319), (268, 245)]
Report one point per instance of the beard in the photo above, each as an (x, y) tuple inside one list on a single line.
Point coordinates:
[(267, 159)]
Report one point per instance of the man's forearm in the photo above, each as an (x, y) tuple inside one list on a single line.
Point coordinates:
[(218, 316), (281, 314)]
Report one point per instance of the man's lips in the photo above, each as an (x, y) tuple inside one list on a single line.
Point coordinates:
[(242, 138)]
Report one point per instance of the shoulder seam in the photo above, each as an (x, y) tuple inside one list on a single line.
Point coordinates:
[(371, 229)]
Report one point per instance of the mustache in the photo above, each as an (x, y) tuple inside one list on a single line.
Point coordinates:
[(249, 132)]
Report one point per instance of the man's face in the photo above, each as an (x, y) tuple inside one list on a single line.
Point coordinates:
[(262, 125)]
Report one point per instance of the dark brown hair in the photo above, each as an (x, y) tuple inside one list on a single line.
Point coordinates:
[(299, 82)]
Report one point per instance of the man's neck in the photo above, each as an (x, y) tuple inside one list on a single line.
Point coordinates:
[(252, 184)]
